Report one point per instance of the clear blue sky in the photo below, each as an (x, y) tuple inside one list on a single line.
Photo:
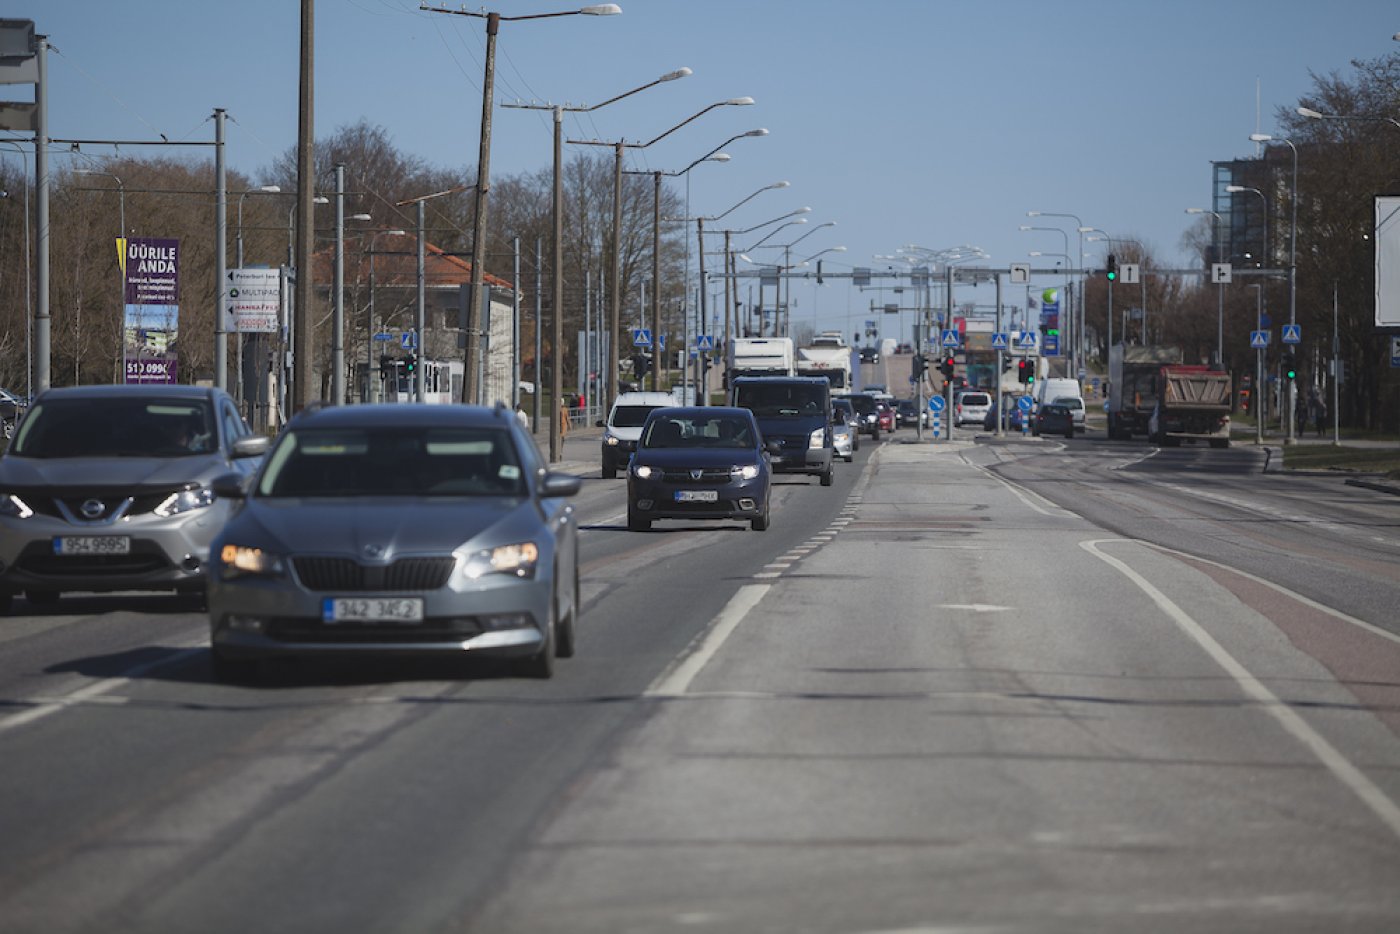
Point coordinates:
[(905, 121)]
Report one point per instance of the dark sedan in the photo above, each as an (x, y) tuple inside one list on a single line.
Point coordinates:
[(1054, 419), (699, 463)]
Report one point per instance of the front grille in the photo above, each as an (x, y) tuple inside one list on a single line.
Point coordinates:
[(145, 558), (708, 476), (143, 502), (314, 631), (348, 575)]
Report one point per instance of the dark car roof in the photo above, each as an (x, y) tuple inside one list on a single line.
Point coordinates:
[(402, 415), (700, 411), (153, 391)]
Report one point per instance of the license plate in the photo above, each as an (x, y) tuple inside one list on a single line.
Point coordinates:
[(92, 545), (372, 610), (697, 496)]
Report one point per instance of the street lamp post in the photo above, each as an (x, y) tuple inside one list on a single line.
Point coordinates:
[(483, 173), (615, 286), (1292, 259), (369, 323), (1077, 360)]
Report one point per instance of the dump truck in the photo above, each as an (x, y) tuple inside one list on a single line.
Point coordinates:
[(1193, 404), (1132, 386)]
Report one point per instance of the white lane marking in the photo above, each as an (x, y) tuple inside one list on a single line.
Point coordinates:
[(591, 526), (97, 688), (673, 683), (976, 607), (1331, 758), (767, 575), (1306, 601), (1023, 495)]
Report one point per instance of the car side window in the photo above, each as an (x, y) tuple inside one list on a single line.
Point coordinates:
[(528, 451), (233, 426)]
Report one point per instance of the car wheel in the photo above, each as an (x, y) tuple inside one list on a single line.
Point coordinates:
[(850, 458), (6, 598), (609, 470), (637, 522), (41, 597), (564, 647), (828, 475), (1070, 434), (541, 665), (875, 435), (235, 670), (760, 523)]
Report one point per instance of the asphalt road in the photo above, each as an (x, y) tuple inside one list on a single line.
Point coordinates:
[(973, 686)]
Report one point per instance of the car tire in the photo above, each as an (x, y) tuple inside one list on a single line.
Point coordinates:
[(6, 599), (828, 475), (540, 666), (637, 522), (875, 435), (609, 470), (41, 597), (564, 647), (1070, 434), (760, 523), (235, 670)]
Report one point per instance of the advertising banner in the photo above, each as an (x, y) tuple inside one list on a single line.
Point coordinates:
[(151, 342), (151, 270)]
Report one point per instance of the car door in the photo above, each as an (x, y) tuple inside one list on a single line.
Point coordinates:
[(557, 513)]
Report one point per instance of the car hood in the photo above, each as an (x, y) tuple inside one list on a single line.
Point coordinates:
[(92, 473), (386, 526)]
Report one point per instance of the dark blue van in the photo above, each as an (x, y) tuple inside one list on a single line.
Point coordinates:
[(795, 412)]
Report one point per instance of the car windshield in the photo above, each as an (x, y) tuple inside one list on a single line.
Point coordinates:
[(119, 426), (718, 431), (631, 416), (975, 398), (1070, 403), (782, 399), (393, 462), (864, 405)]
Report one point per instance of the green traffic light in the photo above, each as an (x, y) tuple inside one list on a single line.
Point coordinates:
[(1112, 276)]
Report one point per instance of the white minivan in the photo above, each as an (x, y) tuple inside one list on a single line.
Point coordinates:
[(624, 427)]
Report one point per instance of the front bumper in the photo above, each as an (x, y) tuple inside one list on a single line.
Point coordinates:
[(738, 499), (166, 553), (260, 617)]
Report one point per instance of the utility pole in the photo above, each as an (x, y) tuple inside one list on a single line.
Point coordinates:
[(303, 331)]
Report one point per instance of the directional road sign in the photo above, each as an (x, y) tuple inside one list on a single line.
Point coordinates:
[(641, 337), (1128, 273), (950, 338), (1220, 273), (1024, 403), (1292, 333), (253, 300), (383, 336), (1259, 339), (936, 404), (1000, 341), (1020, 273)]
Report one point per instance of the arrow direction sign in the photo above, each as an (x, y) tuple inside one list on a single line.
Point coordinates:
[(1292, 333), (1220, 273), (253, 301), (1129, 273), (1259, 339), (1020, 273)]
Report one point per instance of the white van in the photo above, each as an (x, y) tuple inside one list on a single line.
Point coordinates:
[(624, 426), (1055, 388)]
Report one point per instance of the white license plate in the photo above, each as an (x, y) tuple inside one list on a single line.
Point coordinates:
[(372, 610), (697, 496), (92, 545)]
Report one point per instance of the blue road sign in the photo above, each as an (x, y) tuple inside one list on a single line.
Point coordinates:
[(1024, 403), (382, 336), (1292, 333), (1052, 345), (1026, 340), (936, 404), (1259, 339), (1000, 341), (408, 340), (704, 342), (641, 337), (950, 338)]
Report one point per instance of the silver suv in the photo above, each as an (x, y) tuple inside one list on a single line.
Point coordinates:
[(108, 488)]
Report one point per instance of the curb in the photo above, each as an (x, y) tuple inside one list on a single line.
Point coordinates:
[(1391, 488)]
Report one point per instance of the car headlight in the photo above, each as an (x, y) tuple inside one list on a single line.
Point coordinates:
[(610, 439), (14, 507), (518, 560), (185, 501), (747, 472), (642, 471), (237, 561), (817, 439)]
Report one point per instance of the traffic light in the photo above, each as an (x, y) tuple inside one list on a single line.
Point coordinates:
[(410, 362), (920, 365), (947, 366), (819, 272), (1112, 272), (1023, 371), (385, 361), (1290, 366)]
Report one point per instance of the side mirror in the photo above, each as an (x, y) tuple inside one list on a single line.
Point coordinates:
[(229, 485), (251, 446), (556, 484), (773, 447)]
